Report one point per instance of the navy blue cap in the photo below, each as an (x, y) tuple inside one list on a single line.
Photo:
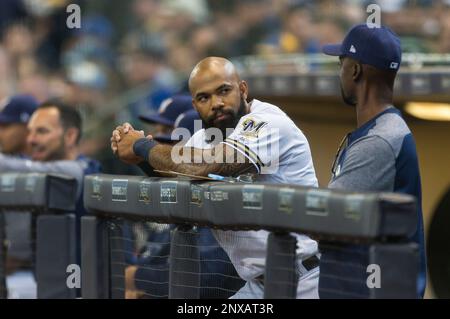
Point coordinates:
[(169, 110), (185, 120), (378, 47), (18, 109)]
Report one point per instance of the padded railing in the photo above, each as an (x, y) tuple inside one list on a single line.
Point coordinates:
[(51, 200), (377, 223)]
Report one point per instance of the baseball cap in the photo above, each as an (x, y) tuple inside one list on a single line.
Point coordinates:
[(169, 110), (18, 109), (185, 120), (376, 46)]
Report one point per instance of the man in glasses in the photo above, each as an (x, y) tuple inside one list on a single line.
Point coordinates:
[(380, 154)]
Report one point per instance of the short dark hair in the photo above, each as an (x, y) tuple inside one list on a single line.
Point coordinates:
[(68, 115)]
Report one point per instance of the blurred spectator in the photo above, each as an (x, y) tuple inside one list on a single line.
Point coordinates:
[(36, 82), (258, 20), (86, 75), (197, 9), (390, 6), (444, 42), (6, 74), (143, 12), (92, 42), (49, 28), (143, 63), (18, 40), (296, 36), (87, 85), (11, 12)]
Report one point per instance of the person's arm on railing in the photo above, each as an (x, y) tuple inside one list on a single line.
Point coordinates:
[(135, 148), (74, 169)]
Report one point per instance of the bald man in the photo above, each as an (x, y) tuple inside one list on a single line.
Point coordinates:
[(238, 137)]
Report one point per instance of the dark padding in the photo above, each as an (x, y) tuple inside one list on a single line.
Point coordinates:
[(184, 264), (94, 258), (174, 198), (388, 270), (399, 266), (55, 252), (3, 291), (280, 279), (320, 212), (37, 192), (117, 258), (200, 204), (127, 196)]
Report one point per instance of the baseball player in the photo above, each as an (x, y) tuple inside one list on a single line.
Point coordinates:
[(242, 137), (380, 154)]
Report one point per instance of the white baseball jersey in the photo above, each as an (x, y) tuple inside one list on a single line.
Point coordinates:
[(281, 154)]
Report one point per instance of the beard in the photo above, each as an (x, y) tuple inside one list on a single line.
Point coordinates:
[(56, 154), (230, 122), (60, 152), (349, 100)]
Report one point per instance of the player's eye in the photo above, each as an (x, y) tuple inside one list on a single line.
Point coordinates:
[(42, 131), (202, 99), (225, 90)]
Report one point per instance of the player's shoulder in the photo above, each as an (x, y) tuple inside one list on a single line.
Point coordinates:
[(392, 128), (390, 123), (265, 114), (263, 109)]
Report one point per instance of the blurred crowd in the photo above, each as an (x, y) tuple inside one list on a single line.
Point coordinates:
[(128, 57)]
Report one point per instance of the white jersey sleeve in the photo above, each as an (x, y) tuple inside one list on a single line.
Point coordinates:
[(257, 139)]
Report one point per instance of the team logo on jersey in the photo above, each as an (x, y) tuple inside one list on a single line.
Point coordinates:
[(251, 128)]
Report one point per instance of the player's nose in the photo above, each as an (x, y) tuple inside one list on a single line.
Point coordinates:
[(217, 103)]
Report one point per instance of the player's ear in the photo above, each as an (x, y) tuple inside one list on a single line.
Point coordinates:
[(71, 136), (357, 71), (243, 88), (193, 103)]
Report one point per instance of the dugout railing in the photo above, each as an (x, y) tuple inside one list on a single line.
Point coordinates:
[(363, 238), (50, 199)]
